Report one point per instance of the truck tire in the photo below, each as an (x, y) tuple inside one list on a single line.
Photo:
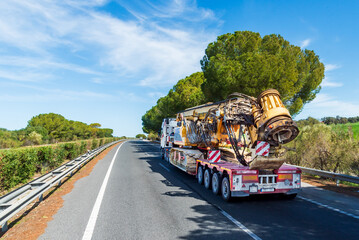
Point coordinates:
[(200, 175), (207, 179), (216, 183), (226, 189)]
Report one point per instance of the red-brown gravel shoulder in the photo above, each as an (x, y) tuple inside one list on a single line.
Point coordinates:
[(31, 223)]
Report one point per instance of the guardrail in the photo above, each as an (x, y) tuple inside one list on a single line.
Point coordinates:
[(337, 176), (13, 202)]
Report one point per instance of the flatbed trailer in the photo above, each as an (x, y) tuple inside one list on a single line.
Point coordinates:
[(232, 180), (224, 176)]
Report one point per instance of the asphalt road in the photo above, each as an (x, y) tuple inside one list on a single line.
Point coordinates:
[(146, 198)]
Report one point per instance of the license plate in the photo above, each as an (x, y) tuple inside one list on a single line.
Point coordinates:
[(267, 190), (253, 189)]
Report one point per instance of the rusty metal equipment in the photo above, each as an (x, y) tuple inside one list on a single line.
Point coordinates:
[(238, 123)]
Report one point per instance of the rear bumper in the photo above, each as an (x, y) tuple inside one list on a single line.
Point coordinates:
[(279, 191)]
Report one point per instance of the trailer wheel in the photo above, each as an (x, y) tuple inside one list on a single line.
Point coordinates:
[(200, 175), (226, 191), (207, 179), (216, 183)]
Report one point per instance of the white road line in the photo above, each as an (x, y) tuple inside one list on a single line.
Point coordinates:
[(240, 225), (96, 208), (329, 207), (165, 167)]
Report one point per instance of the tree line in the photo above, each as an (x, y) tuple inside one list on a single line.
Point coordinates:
[(339, 120), (51, 128), (247, 63), (327, 120)]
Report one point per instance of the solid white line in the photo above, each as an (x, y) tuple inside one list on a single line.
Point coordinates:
[(96, 208), (165, 167), (240, 225), (329, 207)]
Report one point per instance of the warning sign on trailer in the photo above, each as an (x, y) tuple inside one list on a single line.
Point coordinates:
[(262, 148), (214, 156)]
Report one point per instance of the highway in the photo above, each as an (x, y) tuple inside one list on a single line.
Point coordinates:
[(133, 194)]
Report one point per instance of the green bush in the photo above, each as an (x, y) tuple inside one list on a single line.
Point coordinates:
[(71, 150), (45, 156), (322, 147), (83, 147), (94, 144), (19, 165)]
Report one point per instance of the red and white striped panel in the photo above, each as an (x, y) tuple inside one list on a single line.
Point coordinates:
[(262, 148), (214, 156)]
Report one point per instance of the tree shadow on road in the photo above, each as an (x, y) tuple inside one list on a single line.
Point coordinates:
[(265, 215)]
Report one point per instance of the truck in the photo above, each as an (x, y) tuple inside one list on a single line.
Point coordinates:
[(234, 146)]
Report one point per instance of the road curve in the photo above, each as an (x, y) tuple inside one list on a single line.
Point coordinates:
[(146, 198)]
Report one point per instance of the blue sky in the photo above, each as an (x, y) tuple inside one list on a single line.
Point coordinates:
[(109, 61)]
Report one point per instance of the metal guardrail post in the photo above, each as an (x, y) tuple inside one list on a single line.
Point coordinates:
[(37, 187), (337, 176)]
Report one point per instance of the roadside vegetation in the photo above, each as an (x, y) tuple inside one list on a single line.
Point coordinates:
[(19, 165), (332, 147), (44, 144), (141, 135), (51, 128)]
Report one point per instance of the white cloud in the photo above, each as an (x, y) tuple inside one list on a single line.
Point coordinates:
[(42, 94), (325, 105), (305, 43), (41, 63), (328, 83), (164, 9), (156, 94), (97, 80), (131, 97), (24, 76), (331, 67), (152, 54)]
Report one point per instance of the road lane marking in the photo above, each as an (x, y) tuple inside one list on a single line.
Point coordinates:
[(237, 223), (96, 208), (240, 225), (165, 167), (329, 207)]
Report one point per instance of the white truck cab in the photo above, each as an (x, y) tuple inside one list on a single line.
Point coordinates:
[(167, 136)]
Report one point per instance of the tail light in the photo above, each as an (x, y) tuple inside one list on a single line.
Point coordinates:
[(250, 178)]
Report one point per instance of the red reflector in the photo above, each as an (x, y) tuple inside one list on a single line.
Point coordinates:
[(243, 185), (290, 184)]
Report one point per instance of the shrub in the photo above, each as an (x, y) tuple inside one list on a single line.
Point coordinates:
[(19, 165), (94, 144), (322, 147)]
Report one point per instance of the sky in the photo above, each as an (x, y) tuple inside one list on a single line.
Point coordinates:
[(108, 62)]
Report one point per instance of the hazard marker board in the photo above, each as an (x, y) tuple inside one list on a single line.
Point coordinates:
[(262, 148), (214, 156)]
